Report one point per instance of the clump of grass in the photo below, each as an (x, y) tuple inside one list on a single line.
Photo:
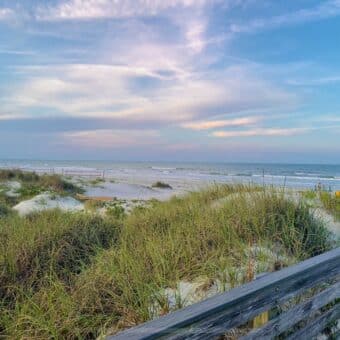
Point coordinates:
[(309, 194), (4, 210), (58, 184), (97, 181), (32, 184), (112, 208), (15, 174), (93, 205), (181, 239), (161, 185), (331, 203), (116, 211), (49, 243), (29, 190)]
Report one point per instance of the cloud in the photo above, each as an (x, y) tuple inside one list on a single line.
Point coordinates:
[(94, 9), (315, 81), (326, 9), (6, 14), (260, 132), (206, 125), (195, 36), (100, 91), (4, 116), (112, 139)]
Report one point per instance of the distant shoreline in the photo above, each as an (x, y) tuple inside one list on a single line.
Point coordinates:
[(303, 176)]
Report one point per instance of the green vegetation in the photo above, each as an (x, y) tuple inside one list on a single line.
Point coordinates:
[(4, 210), (116, 210), (9, 175), (161, 185), (93, 205), (112, 208), (79, 275), (328, 200), (31, 184), (49, 243), (331, 203), (97, 181), (309, 194), (48, 247)]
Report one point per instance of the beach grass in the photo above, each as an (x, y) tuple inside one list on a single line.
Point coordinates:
[(331, 203), (84, 276), (327, 200), (32, 184), (48, 244)]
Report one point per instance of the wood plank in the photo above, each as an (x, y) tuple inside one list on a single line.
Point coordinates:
[(219, 323), (214, 316), (318, 325), (295, 314)]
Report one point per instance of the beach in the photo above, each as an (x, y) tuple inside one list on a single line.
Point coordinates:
[(132, 180)]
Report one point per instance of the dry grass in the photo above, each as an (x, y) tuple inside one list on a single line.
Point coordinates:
[(103, 290)]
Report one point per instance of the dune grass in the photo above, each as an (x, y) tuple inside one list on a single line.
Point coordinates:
[(331, 203), (46, 247), (4, 209), (33, 184), (328, 200), (102, 283)]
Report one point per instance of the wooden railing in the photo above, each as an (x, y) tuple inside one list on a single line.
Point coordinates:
[(216, 316)]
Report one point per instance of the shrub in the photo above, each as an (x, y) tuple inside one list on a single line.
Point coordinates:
[(161, 185), (4, 210)]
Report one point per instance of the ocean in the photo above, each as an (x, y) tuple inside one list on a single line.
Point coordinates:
[(289, 175)]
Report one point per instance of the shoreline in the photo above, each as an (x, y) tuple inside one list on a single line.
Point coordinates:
[(187, 175)]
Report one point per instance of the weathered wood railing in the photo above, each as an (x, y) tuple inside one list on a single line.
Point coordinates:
[(216, 316)]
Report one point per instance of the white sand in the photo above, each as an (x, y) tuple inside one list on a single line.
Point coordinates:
[(128, 191), (47, 201), (187, 293), (12, 187), (330, 222)]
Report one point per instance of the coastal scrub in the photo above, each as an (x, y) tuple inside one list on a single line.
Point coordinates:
[(82, 277)]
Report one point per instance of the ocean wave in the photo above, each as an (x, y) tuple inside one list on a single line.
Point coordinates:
[(243, 175), (320, 178), (162, 168)]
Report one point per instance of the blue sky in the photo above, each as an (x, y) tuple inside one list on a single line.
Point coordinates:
[(184, 80)]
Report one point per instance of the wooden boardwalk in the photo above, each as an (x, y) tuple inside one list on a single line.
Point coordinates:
[(214, 317)]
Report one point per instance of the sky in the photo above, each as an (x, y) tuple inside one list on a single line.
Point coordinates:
[(170, 80)]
